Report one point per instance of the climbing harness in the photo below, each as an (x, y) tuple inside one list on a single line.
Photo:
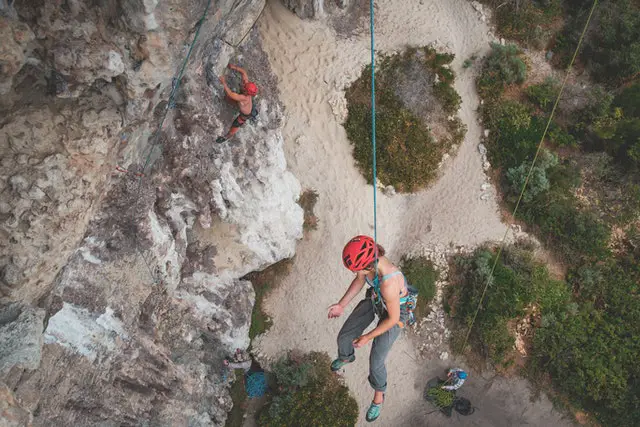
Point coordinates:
[(407, 302), (526, 181)]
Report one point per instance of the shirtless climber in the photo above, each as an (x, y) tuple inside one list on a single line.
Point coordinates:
[(244, 100)]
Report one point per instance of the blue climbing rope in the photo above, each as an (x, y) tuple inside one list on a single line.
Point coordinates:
[(373, 124)]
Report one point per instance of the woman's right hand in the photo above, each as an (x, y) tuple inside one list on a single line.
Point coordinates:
[(335, 310)]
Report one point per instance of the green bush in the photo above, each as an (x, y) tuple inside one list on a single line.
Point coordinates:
[(503, 66), (576, 235), (407, 154), (526, 21), (515, 133), (293, 373), (610, 125), (448, 96), (544, 94), (626, 142), (310, 395), (611, 50), (598, 105), (422, 274), (587, 334), (629, 101), (592, 352), (549, 202), (560, 137), (497, 340), (517, 282), (538, 181)]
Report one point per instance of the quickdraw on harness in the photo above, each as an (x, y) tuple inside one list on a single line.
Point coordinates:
[(407, 302)]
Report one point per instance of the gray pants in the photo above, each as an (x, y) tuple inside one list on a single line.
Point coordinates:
[(357, 322)]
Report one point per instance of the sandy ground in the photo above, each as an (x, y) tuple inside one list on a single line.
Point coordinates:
[(314, 66)]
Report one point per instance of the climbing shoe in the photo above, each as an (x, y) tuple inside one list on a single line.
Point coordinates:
[(221, 139), (337, 364), (374, 411)]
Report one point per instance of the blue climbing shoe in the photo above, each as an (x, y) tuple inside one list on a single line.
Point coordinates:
[(337, 364), (374, 411)]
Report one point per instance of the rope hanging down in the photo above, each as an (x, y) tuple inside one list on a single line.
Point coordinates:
[(373, 122), (526, 181), (170, 102)]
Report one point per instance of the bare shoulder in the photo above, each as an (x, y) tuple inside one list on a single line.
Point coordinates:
[(394, 282)]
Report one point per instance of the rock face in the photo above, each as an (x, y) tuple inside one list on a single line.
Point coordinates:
[(347, 17), (313, 9), (305, 9), (11, 414), (136, 277), (20, 337)]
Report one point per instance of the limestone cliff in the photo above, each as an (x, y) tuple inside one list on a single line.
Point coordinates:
[(120, 294)]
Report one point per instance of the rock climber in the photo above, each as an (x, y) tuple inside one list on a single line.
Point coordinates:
[(389, 296), (455, 378), (245, 101)]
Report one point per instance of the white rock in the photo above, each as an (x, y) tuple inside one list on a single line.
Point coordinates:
[(22, 159), (18, 183), (114, 63), (482, 149), (5, 207), (35, 193), (338, 104), (486, 133), (76, 329), (149, 5)]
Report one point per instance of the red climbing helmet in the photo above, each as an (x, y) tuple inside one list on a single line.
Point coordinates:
[(250, 89), (359, 252)]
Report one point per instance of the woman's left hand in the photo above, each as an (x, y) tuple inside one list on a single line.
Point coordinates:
[(361, 341)]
